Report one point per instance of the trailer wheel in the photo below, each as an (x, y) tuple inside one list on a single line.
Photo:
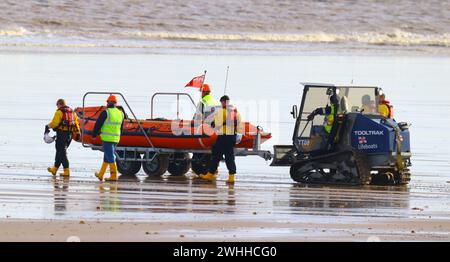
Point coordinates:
[(180, 164), (200, 162), (128, 168), (158, 166)]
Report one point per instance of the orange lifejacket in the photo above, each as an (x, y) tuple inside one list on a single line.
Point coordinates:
[(233, 117), (68, 120)]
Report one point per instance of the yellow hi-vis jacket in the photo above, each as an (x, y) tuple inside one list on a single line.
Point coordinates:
[(110, 131), (205, 107), (329, 120), (227, 121)]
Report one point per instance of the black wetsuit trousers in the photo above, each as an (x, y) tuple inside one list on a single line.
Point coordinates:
[(224, 146), (63, 139)]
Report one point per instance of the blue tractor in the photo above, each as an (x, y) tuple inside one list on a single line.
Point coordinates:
[(341, 138)]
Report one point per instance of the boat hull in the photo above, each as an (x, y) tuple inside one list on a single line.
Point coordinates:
[(171, 134)]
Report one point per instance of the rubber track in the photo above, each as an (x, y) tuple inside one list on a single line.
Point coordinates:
[(361, 163)]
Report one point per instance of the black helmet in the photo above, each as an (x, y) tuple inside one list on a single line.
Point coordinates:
[(329, 91)]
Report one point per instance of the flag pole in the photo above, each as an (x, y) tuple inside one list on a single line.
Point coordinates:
[(201, 91), (226, 81), (204, 77)]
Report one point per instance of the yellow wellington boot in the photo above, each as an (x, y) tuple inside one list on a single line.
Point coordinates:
[(209, 176), (66, 172), (52, 170), (113, 172), (230, 179), (102, 171)]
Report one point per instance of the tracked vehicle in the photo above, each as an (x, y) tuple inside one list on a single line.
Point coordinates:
[(363, 147)]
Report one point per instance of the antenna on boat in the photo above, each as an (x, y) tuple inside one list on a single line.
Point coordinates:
[(353, 71), (201, 92), (226, 81), (204, 77)]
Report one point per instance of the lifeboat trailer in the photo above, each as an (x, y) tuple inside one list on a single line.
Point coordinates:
[(154, 160)]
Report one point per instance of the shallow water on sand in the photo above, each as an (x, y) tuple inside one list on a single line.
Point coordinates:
[(264, 88)]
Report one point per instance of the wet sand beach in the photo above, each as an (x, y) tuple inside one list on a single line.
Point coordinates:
[(182, 209), (230, 231)]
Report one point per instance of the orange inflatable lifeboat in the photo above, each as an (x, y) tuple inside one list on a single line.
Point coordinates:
[(162, 133)]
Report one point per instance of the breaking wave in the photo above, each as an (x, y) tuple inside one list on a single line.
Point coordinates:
[(230, 24), (395, 38), (264, 42), (13, 32)]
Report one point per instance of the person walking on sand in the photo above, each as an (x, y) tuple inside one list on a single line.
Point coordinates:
[(65, 123), (109, 125), (227, 123)]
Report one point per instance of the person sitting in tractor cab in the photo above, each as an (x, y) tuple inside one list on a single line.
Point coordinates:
[(368, 105), (329, 111)]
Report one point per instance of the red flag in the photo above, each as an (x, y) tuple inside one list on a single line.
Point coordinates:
[(196, 82)]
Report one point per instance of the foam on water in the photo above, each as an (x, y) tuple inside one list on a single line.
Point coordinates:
[(13, 32)]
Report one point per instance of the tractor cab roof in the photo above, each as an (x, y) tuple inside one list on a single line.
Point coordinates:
[(325, 85), (344, 90)]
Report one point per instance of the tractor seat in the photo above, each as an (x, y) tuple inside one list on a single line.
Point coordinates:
[(344, 105)]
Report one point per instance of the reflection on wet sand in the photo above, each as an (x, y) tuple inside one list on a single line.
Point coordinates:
[(332, 198), (109, 197), (163, 208), (128, 178), (61, 188), (168, 198), (166, 194)]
